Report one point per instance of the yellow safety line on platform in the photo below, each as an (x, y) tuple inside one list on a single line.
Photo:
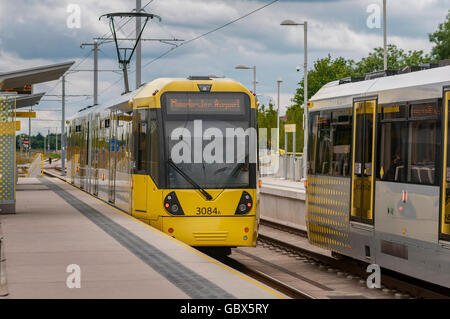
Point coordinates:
[(182, 244)]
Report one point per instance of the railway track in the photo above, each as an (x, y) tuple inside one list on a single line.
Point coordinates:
[(289, 273), (398, 285), (267, 279), (287, 229)]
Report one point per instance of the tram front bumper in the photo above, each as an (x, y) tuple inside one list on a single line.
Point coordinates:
[(225, 231)]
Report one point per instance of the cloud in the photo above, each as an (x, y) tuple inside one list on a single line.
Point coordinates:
[(36, 33)]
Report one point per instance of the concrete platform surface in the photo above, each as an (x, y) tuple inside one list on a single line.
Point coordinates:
[(57, 225)]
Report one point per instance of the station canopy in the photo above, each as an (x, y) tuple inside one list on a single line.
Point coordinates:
[(19, 82)]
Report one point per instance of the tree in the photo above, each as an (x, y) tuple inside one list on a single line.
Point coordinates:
[(324, 70), (441, 39), (294, 115), (267, 118), (397, 59), (37, 141)]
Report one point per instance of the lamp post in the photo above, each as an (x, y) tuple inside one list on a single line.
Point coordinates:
[(279, 81), (138, 46), (384, 36), (305, 91), (244, 67), (63, 128)]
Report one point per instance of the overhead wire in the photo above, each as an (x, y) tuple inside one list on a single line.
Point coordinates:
[(120, 27), (123, 25), (78, 64), (209, 32), (194, 39)]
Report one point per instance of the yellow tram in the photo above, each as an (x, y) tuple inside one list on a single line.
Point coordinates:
[(178, 154)]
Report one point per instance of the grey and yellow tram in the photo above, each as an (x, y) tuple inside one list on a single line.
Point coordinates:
[(378, 186)]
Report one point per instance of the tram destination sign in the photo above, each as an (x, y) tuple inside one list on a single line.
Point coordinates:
[(205, 103)]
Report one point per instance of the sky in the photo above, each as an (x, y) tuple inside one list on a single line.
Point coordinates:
[(41, 32)]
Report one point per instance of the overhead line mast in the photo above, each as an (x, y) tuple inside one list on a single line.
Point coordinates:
[(138, 46), (124, 54)]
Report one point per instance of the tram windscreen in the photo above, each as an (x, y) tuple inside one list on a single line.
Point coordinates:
[(211, 145)]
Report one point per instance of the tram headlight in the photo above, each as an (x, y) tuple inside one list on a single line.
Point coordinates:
[(245, 204), (172, 205)]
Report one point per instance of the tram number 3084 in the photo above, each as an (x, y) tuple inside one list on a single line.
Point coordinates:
[(207, 211)]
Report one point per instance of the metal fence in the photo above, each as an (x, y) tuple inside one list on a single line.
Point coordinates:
[(280, 166)]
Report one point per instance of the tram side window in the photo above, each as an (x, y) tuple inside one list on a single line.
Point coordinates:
[(323, 159), (409, 143), (424, 137), (393, 144), (153, 145), (424, 141), (312, 139), (147, 143), (342, 139), (141, 141), (330, 136)]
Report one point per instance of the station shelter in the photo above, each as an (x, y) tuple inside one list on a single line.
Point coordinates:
[(16, 92)]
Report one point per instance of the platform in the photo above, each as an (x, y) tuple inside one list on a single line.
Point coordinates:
[(283, 183), (283, 202), (57, 225)]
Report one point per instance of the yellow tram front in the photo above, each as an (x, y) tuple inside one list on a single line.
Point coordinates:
[(195, 161)]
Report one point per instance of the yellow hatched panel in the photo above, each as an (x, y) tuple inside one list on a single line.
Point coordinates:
[(7, 149)]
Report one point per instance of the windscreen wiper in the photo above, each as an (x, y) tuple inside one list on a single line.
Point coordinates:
[(236, 171), (190, 180)]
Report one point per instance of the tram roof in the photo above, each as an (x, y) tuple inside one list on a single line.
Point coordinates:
[(185, 84), (145, 92), (419, 85), (118, 103)]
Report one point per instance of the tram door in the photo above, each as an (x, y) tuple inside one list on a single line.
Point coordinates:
[(94, 159), (364, 112), (445, 213), (112, 158)]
